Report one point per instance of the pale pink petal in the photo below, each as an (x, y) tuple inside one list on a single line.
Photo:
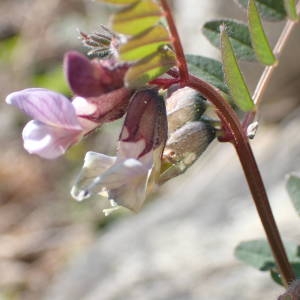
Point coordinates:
[(48, 141), (46, 106)]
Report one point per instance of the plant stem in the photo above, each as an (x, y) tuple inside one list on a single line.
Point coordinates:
[(238, 138), (252, 174), (182, 66)]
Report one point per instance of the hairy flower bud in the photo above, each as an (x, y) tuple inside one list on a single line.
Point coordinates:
[(184, 105), (184, 146)]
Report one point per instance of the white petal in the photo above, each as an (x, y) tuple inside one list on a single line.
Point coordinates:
[(94, 165)]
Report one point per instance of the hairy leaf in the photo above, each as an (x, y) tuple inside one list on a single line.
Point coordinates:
[(259, 39), (145, 43), (150, 68), (121, 2), (290, 7), (293, 188), (238, 33), (207, 69), (271, 10), (233, 76), (137, 18)]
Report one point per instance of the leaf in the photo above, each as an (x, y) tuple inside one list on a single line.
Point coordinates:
[(290, 7), (136, 18), (233, 76), (150, 68), (257, 253), (271, 10), (121, 2), (207, 69), (259, 40), (145, 43), (293, 188), (238, 33)]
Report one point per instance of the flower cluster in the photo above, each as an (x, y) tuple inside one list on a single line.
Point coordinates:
[(148, 153)]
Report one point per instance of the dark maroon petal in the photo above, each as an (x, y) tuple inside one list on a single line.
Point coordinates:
[(110, 106), (146, 119), (83, 76)]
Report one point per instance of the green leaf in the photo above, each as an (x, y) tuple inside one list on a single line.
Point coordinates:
[(207, 69), (272, 10), (238, 33), (290, 7), (145, 43), (257, 253), (150, 68), (136, 18), (233, 76), (293, 188), (121, 2), (259, 39)]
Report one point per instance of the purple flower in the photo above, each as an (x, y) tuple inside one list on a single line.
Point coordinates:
[(55, 125), (99, 82), (57, 122), (127, 178)]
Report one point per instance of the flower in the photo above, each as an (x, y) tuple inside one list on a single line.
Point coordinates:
[(134, 171), (57, 122), (55, 126)]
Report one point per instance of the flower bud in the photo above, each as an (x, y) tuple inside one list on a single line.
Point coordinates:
[(184, 146), (184, 105)]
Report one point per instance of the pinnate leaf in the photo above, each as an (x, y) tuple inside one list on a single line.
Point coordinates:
[(207, 69), (145, 43), (137, 18), (290, 7), (259, 39), (233, 76), (293, 188), (238, 33), (271, 10), (150, 68)]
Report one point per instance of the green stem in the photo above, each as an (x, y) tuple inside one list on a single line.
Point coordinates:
[(238, 138)]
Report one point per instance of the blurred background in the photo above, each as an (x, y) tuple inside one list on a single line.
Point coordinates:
[(181, 245)]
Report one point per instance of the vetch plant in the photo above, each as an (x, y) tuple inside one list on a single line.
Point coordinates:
[(175, 105)]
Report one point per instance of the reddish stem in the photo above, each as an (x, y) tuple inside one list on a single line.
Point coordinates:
[(182, 66), (251, 171), (236, 135)]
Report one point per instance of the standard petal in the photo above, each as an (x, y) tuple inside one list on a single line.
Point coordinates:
[(46, 106), (94, 165), (82, 75), (48, 141)]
